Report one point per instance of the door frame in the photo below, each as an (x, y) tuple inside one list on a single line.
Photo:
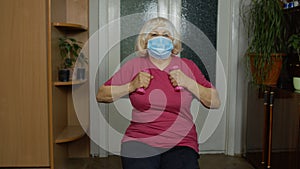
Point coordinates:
[(227, 22)]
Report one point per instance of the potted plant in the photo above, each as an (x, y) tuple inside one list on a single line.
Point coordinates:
[(69, 51), (294, 65), (294, 45), (81, 62), (264, 23)]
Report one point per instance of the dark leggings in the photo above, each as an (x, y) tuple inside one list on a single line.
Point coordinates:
[(136, 155)]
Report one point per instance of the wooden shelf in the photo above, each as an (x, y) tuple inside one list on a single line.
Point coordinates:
[(69, 83), (69, 26), (292, 10), (70, 133)]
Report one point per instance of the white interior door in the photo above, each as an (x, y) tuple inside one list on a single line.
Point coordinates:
[(122, 108), (107, 128)]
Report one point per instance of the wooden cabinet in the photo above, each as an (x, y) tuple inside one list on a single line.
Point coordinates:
[(273, 128), (38, 123), (24, 114), (273, 115)]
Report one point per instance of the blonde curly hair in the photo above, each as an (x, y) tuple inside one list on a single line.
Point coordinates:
[(151, 25)]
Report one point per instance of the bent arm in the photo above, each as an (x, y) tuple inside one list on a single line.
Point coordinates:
[(208, 96), (108, 94)]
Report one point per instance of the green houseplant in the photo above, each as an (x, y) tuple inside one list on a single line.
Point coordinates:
[(294, 67), (69, 52), (294, 44), (264, 23)]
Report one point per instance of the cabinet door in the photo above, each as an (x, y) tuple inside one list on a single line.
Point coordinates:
[(284, 117), (23, 92), (255, 127), (285, 130)]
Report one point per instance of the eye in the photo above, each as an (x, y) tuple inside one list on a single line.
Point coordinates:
[(153, 34), (166, 35)]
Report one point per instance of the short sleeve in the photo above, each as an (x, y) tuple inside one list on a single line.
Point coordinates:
[(198, 75), (124, 75)]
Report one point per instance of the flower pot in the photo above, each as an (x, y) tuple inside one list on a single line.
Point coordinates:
[(63, 75), (72, 74), (272, 75), (80, 73), (296, 83)]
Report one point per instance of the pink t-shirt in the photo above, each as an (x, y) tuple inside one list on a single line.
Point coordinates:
[(161, 117)]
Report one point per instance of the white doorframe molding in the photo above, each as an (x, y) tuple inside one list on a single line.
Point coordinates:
[(223, 48), (229, 24)]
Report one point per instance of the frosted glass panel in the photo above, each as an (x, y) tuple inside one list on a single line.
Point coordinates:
[(133, 7), (203, 14)]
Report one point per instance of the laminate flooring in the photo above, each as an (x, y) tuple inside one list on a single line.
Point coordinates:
[(207, 161)]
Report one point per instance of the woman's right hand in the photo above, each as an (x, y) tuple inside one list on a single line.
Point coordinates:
[(142, 79)]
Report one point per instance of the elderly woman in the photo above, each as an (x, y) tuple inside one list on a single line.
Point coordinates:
[(161, 87)]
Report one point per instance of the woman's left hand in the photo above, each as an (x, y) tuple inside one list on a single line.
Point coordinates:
[(178, 78), (208, 96)]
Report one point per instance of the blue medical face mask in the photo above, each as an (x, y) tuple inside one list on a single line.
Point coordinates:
[(160, 47)]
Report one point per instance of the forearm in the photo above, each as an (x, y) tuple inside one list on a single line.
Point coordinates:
[(108, 94), (208, 96)]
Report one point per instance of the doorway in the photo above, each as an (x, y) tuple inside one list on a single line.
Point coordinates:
[(117, 38)]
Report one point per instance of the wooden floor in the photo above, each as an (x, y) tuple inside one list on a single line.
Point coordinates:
[(206, 162)]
